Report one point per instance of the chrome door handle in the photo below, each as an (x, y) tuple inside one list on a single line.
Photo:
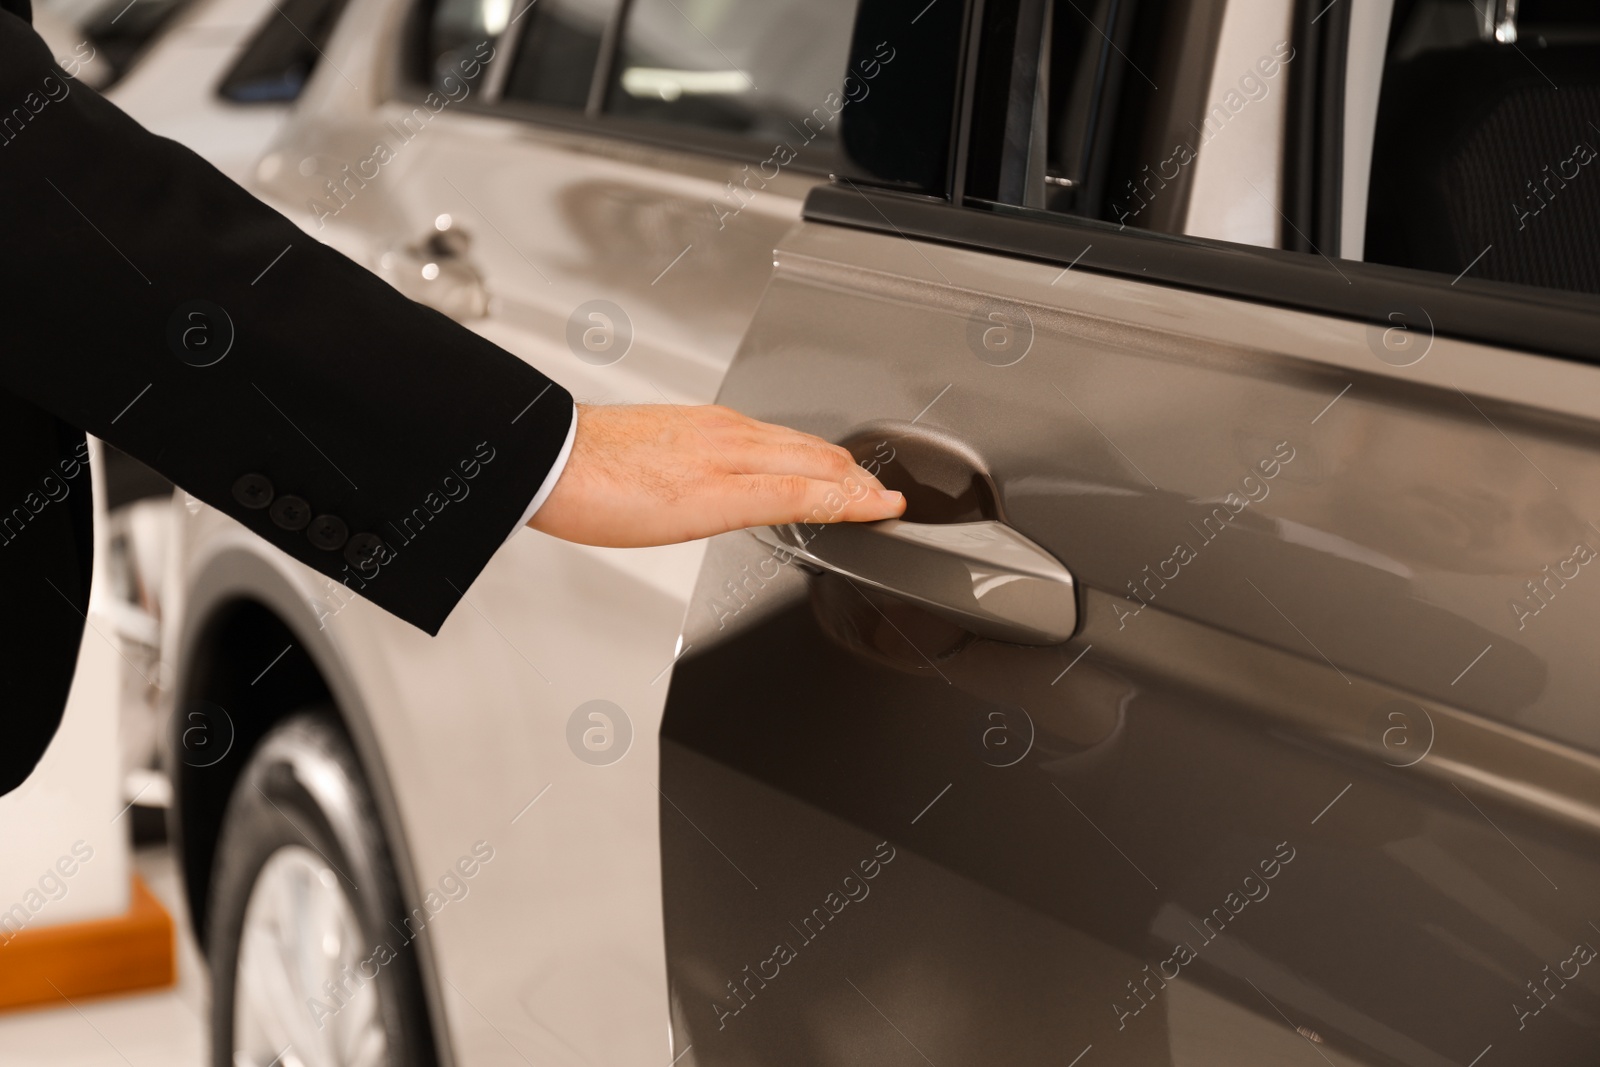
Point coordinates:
[(982, 576), (437, 271)]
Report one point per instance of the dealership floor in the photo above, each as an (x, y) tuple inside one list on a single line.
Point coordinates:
[(161, 1029)]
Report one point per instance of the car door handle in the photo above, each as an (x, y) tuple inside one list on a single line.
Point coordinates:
[(438, 271), (982, 576)]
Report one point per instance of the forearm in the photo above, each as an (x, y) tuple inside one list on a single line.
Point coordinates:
[(335, 389)]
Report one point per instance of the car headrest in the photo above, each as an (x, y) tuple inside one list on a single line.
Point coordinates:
[(1491, 146)]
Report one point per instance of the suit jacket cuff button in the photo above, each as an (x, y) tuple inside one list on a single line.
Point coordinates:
[(363, 552), (328, 532), (290, 513), (254, 491)]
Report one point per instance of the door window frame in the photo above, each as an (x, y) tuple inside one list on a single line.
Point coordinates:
[(1551, 322)]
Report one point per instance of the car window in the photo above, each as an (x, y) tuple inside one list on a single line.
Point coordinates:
[(821, 86), (862, 89), (1068, 116), (769, 71), (1486, 154), (557, 52), (277, 62), (1045, 72), (462, 40)]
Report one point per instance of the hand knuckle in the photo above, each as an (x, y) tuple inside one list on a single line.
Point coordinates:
[(793, 487)]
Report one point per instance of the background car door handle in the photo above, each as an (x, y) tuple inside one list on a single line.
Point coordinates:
[(983, 576), (437, 271)]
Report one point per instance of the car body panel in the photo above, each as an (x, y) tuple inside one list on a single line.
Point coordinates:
[(1333, 683)]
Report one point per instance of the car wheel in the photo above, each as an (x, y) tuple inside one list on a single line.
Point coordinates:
[(310, 966)]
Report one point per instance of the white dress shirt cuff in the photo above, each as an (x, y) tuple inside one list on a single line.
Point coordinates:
[(550, 479)]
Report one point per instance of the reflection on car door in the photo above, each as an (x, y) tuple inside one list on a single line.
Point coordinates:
[(1319, 765)]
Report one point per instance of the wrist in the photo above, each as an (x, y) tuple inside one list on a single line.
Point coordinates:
[(552, 476)]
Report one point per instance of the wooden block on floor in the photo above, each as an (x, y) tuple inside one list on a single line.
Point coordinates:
[(133, 951)]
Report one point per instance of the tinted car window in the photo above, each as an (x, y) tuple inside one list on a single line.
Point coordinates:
[(864, 89), (279, 59), (559, 48), (770, 71), (1486, 158), (1067, 114)]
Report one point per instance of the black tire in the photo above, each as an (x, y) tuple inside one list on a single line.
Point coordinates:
[(303, 787)]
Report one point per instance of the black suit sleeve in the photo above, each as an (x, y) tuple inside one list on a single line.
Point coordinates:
[(154, 303)]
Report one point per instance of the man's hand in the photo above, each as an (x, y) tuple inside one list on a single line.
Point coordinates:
[(657, 474)]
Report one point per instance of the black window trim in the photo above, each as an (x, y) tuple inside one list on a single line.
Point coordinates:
[(1536, 320), (605, 64), (967, 79), (1313, 164)]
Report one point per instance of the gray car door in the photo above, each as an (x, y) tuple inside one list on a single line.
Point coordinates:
[(1315, 777)]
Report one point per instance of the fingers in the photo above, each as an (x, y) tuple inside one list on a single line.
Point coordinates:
[(772, 499), (753, 447), (783, 475), (802, 455), (719, 420)]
